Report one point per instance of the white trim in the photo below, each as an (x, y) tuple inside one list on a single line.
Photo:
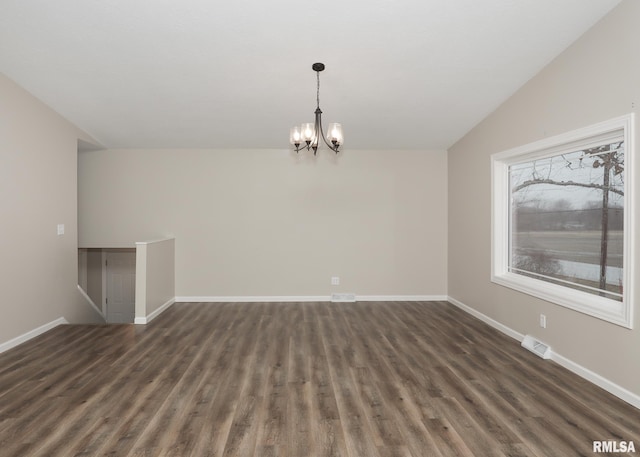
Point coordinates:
[(90, 301), (252, 299), (154, 241), (304, 298), (401, 298), (578, 139), (156, 313), (619, 313), (103, 259), (595, 378), (31, 334), (487, 320), (602, 382), (603, 308)]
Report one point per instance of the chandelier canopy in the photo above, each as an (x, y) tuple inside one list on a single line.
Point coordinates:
[(308, 135)]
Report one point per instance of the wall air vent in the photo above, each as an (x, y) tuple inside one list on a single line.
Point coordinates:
[(537, 347), (343, 298)]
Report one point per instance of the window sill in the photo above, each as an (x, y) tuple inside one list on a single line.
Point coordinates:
[(613, 311)]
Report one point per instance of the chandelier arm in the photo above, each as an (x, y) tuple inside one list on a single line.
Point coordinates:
[(300, 146), (320, 132)]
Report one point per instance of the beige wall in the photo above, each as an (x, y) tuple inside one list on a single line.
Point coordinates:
[(596, 79), (39, 269), (270, 223), (94, 276)]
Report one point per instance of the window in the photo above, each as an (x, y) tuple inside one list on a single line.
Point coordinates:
[(561, 220)]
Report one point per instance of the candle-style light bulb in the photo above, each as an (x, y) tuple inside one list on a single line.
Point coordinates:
[(308, 132), (295, 136), (335, 134)]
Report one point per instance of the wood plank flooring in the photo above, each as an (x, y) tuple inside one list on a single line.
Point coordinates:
[(394, 379)]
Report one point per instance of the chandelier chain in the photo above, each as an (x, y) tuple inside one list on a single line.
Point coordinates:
[(318, 91)]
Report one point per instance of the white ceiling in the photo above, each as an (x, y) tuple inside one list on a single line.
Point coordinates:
[(401, 74)]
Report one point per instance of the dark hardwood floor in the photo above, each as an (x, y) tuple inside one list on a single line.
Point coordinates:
[(297, 380)]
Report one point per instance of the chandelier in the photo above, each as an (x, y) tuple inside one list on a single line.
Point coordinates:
[(308, 135)]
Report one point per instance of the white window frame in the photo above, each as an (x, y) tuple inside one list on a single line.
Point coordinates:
[(617, 312)]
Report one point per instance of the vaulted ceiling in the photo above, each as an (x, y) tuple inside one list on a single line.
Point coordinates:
[(400, 74)]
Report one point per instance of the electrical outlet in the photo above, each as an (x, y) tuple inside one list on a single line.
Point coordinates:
[(543, 321), (60, 229), (335, 281)]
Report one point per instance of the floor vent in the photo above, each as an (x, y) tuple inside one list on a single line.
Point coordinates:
[(537, 347), (343, 297)]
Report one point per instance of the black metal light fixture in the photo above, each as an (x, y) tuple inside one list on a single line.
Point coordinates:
[(308, 135)]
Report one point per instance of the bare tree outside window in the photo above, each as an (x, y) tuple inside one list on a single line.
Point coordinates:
[(562, 219), (567, 214)]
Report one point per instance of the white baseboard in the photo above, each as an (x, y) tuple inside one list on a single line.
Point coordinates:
[(253, 299), (31, 334), (401, 298), (602, 382), (305, 298), (595, 378), (156, 313), (487, 320)]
